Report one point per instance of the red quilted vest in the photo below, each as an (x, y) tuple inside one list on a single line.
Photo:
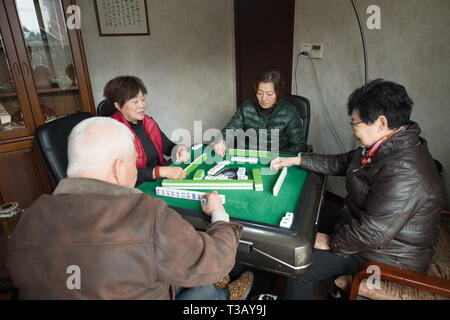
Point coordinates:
[(152, 130)]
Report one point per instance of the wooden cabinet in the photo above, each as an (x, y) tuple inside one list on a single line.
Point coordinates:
[(43, 76)]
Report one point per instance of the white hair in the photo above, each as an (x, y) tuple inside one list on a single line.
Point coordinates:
[(95, 143)]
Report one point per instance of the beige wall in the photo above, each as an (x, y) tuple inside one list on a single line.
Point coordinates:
[(187, 62), (412, 48)]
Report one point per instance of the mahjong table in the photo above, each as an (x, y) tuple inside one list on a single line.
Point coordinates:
[(264, 244)]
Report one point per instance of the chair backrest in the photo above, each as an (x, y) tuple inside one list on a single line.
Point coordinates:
[(304, 110), (105, 109), (51, 141)]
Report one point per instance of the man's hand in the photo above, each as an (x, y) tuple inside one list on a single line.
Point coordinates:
[(175, 173), (213, 203), (183, 154), (281, 162), (322, 241), (220, 148)]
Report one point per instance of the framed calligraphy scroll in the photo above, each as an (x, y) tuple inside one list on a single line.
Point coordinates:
[(122, 17)]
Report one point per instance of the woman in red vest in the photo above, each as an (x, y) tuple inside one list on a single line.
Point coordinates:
[(127, 94)]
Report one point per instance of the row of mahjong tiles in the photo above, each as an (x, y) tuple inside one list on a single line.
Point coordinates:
[(238, 200), (285, 222), (240, 184)]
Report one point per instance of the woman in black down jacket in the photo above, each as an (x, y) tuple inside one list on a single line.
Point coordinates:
[(394, 192)]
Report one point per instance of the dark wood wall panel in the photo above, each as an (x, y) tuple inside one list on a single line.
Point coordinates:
[(19, 181), (264, 33)]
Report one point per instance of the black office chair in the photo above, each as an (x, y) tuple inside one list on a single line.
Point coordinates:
[(105, 109), (304, 110), (51, 141)]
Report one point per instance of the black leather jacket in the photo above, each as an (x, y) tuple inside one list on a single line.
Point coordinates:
[(393, 205)]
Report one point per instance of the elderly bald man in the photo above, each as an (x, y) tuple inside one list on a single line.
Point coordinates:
[(97, 237)]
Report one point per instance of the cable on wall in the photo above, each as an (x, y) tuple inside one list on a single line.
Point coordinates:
[(295, 72), (325, 110), (363, 38), (323, 105)]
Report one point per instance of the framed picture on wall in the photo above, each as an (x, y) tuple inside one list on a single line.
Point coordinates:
[(122, 18)]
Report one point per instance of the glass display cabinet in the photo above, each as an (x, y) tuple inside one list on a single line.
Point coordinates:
[(43, 76)]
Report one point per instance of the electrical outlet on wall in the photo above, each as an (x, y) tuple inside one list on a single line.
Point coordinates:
[(306, 47), (314, 50)]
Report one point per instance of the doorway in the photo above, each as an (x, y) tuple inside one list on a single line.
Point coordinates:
[(264, 36)]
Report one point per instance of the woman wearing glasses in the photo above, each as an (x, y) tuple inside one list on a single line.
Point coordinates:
[(394, 196)]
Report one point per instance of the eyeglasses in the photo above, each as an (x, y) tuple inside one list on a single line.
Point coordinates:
[(353, 124)]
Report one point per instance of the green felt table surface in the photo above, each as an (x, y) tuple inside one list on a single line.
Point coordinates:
[(255, 206)]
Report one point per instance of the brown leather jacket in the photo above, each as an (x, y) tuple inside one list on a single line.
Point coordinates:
[(126, 245), (392, 208)]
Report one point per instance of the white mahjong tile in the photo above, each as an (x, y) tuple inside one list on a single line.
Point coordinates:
[(285, 223), (289, 215)]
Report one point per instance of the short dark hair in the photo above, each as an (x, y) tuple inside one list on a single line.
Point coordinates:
[(270, 76), (123, 88), (380, 97)]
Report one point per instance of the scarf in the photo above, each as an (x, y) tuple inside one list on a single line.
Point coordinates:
[(152, 130), (368, 155)]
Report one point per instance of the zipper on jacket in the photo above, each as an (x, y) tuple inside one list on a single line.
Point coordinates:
[(357, 169)]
